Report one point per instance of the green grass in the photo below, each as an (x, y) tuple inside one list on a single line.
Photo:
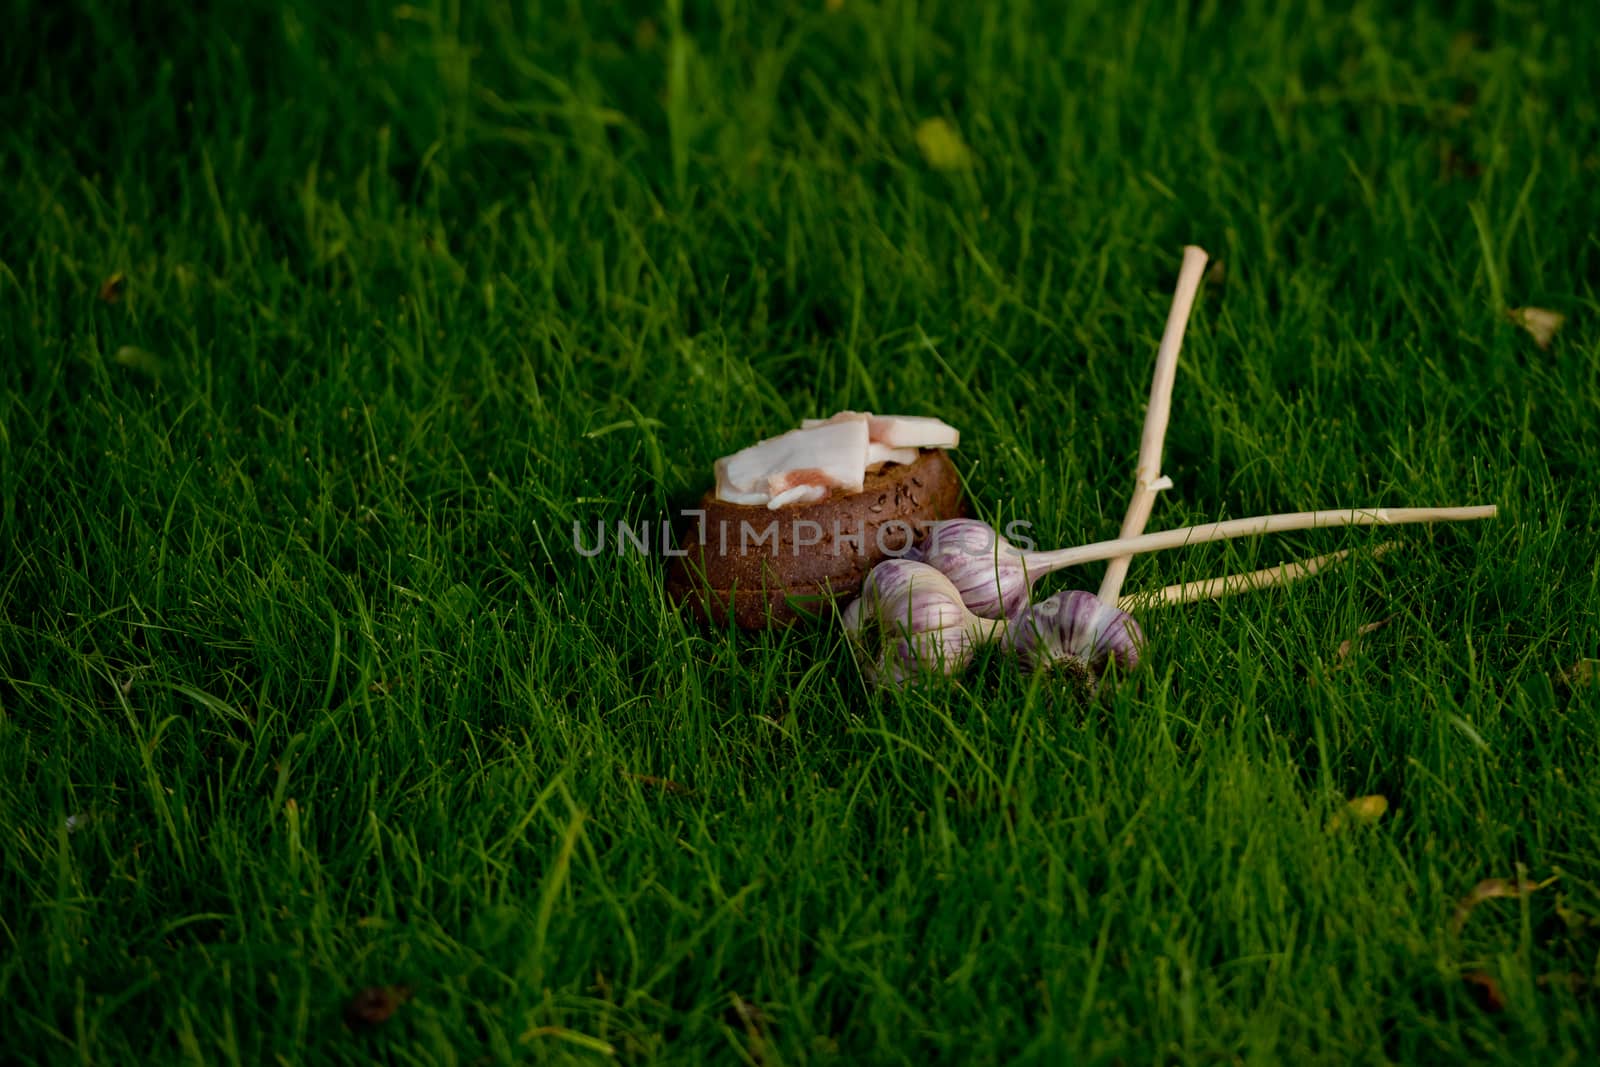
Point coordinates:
[(292, 626)]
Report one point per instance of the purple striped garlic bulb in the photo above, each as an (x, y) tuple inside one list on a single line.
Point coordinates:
[(1077, 630), (985, 568), (909, 624)]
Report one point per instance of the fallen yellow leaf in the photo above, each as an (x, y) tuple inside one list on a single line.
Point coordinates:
[(146, 363), (1360, 810), (1348, 645), (1491, 888), (1370, 807), (1581, 675), (942, 146), (1485, 990), (1540, 323)]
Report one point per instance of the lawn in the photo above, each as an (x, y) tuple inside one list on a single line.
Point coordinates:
[(323, 326)]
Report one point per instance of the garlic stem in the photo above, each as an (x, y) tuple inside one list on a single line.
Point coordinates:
[(1249, 581), (1148, 474), (1216, 588), (1041, 563)]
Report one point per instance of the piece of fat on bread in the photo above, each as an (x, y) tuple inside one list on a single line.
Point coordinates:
[(797, 467), (897, 431)]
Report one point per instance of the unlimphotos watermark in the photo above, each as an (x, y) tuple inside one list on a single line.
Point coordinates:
[(778, 536)]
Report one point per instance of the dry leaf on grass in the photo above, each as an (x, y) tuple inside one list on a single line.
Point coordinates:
[(1577, 923), (1572, 982), (1348, 645), (666, 785), (145, 362), (1455, 162), (748, 1013), (1541, 323), (1581, 675), (941, 145), (1485, 990), (111, 289), (755, 1023), (1490, 889), (375, 1005), (1361, 810)]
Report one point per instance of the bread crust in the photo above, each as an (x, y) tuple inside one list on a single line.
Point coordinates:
[(773, 567)]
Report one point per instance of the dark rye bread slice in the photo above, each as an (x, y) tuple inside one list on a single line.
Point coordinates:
[(770, 567)]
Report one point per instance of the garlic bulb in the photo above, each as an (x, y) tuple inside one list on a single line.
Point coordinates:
[(909, 624), (985, 568), (1075, 629)]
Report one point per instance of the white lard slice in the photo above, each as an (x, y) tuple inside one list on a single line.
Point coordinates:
[(843, 416), (797, 467), (800, 494), (898, 431), (912, 431), (877, 455), (730, 495)]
